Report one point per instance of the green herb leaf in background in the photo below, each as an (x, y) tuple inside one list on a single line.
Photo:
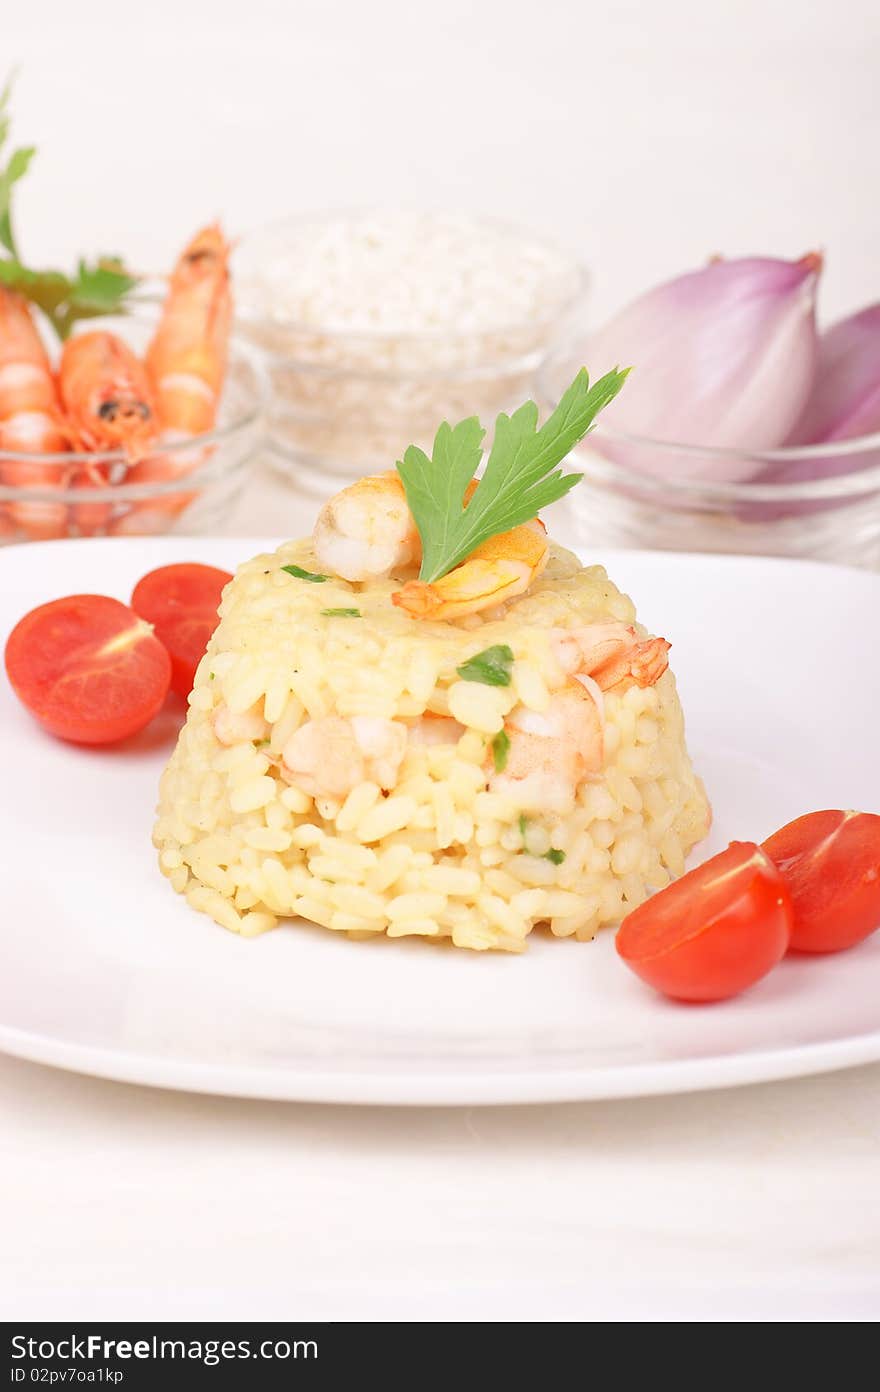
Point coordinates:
[(300, 574), (520, 477), (491, 666), (94, 291), (15, 169), (342, 613), (555, 857)]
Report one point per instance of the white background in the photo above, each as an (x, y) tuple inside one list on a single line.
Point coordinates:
[(645, 136)]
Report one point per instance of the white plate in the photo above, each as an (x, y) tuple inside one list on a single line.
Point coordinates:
[(106, 971)]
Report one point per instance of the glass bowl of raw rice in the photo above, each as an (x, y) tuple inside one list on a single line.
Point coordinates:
[(377, 325)]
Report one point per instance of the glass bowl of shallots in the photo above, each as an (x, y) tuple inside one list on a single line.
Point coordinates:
[(742, 428), (140, 423)]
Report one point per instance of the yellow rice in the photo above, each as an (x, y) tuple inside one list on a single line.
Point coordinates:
[(439, 856)]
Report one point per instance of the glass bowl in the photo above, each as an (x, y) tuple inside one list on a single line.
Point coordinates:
[(347, 401), (654, 494), (184, 486)]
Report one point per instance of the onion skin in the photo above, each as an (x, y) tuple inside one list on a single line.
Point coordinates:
[(843, 405), (723, 357), (845, 401)]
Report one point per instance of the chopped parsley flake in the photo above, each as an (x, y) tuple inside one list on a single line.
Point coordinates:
[(300, 574), (491, 666), (500, 750)]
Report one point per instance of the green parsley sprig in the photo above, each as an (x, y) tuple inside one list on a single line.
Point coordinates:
[(15, 169), (91, 293), (520, 478), (95, 289)]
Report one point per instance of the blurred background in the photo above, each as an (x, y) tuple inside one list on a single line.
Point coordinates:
[(644, 136), (644, 139)]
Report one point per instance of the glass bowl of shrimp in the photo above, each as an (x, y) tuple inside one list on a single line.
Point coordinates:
[(146, 424)]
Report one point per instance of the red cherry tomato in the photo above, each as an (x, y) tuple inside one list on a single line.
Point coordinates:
[(714, 932), (88, 668), (180, 601), (830, 862)]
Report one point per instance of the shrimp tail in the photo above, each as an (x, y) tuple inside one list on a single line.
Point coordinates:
[(641, 665), (500, 569), (420, 600)]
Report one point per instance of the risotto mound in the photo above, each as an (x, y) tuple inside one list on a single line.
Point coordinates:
[(346, 763)]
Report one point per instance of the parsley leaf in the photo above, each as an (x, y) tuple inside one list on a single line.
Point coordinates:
[(500, 750), (520, 477), (301, 574), (92, 293), (19, 162), (555, 857), (342, 613), (16, 167), (439, 484), (491, 666)]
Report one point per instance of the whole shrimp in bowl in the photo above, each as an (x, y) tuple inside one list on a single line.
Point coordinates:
[(109, 406), (106, 395), (31, 422), (186, 364)]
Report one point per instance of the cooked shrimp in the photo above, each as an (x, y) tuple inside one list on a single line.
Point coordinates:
[(90, 519), (156, 514), (612, 654), (107, 395), (367, 530), (186, 364), (502, 568), (330, 756), (551, 752), (186, 360), (430, 730), (231, 728), (30, 420)]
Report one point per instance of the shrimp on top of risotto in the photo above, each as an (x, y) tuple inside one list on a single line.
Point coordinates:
[(429, 720)]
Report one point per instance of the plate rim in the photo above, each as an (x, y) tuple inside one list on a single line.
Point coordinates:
[(540, 1086), (385, 1089)]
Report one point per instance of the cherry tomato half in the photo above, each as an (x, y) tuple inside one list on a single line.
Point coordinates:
[(180, 601), (88, 668), (830, 862), (714, 932)]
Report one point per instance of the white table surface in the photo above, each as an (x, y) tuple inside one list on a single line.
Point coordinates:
[(120, 1202)]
